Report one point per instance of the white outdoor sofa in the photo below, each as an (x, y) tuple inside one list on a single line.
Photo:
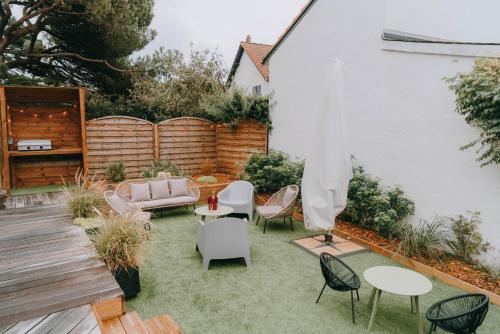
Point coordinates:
[(158, 193), (224, 238)]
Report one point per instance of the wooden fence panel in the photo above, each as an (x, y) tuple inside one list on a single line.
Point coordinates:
[(188, 142), (234, 147), (120, 138)]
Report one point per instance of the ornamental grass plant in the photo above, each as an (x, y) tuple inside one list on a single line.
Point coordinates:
[(85, 195), (426, 240), (121, 243), (115, 172)]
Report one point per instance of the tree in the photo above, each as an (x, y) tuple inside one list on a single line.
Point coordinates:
[(78, 42), (166, 85)]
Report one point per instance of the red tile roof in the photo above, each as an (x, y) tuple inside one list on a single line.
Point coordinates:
[(256, 52)]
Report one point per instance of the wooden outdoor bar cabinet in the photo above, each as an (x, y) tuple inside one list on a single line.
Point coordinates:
[(53, 115)]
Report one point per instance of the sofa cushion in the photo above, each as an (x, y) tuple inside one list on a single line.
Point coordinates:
[(270, 210), (139, 192), (119, 204), (178, 187), (288, 196), (159, 189), (141, 215), (166, 202)]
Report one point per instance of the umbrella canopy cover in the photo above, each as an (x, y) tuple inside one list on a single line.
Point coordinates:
[(328, 167)]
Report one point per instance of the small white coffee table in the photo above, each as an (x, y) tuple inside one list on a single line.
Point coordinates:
[(222, 210), (399, 281)]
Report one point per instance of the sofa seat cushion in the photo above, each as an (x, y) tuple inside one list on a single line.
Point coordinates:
[(165, 202), (120, 204), (267, 211), (141, 215)]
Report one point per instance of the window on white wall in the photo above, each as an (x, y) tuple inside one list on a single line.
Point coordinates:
[(257, 90)]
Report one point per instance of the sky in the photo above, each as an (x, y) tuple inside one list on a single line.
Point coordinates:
[(220, 24), (459, 20)]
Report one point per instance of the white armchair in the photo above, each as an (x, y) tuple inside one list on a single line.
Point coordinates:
[(239, 196), (224, 238)]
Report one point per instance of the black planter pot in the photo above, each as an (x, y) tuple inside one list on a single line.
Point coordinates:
[(129, 281)]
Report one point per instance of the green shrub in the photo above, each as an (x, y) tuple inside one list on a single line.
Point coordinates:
[(121, 242), (233, 106), (207, 179), (369, 205), (115, 172), (273, 171), (85, 197), (478, 99), (163, 165), (426, 240), (466, 242)]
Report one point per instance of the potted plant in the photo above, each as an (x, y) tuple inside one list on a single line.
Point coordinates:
[(121, 244)]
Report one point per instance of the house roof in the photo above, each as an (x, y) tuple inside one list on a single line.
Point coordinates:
[(256, 52), (289, 29)]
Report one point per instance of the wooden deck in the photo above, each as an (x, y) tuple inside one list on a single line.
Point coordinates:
[(47, 265), (77, 320)]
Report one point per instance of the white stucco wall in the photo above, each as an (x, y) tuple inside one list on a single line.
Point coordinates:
[(399, 112), (247, 76)]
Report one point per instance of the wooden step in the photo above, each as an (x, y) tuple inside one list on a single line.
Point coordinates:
[(131, 323), (164, 324)]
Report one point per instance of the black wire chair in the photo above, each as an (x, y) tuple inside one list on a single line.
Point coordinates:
[(460, 314), (340, 277)]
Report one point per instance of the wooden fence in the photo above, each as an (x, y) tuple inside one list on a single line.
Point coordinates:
[(119, 138), (233, 148), (187, 141)]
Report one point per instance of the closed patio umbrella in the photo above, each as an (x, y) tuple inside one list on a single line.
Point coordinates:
[(328, 168)]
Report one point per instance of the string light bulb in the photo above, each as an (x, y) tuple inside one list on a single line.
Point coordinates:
[(50, 115), (35, 115), (65, 112), (21, 111)]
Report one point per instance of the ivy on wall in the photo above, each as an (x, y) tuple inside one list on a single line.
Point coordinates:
[(478, 99)]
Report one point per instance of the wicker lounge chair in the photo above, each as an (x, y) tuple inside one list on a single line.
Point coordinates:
[(280, 205), (171, 200), (123, 207)]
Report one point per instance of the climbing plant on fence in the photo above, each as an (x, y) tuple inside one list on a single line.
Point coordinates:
[(478, 99)]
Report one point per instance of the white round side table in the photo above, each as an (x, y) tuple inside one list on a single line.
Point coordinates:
[(399, 281), (222, 210)]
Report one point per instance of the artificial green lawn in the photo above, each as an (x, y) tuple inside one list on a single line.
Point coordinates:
[(35, 190), (276, 294)]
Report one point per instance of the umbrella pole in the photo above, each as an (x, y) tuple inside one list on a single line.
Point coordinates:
[(329, 237), (329, 240)]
